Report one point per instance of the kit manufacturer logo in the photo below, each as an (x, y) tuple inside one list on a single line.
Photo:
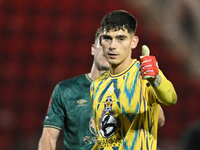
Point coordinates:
[(82, 102)]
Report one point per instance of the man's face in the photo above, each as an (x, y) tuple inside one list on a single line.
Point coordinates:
[(100, 61), (118, 45)]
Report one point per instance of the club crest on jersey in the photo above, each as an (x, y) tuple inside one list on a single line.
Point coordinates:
[(108, 104)]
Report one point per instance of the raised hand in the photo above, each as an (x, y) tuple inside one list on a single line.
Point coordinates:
[(148, 66)]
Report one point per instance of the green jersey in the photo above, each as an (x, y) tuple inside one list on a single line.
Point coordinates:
[(70, 108)]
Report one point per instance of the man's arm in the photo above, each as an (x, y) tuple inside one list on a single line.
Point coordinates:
[(165, 91), (161, 118), (163, 88), (48, 139)]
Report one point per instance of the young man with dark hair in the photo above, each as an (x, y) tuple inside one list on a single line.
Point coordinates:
[(125, 99)]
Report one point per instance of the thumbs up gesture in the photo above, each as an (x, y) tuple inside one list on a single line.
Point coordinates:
[(148, 65)]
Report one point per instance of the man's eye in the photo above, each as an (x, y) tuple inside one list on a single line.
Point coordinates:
[(121, 39), (106, 38)]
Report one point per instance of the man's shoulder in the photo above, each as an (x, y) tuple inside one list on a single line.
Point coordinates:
[(74, 80)]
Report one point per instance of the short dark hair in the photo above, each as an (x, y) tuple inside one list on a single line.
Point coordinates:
[(119, 19)]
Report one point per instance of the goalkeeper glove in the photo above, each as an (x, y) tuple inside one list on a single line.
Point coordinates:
[(149, 67)]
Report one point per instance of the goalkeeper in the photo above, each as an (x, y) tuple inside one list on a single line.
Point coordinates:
[(125, 99)]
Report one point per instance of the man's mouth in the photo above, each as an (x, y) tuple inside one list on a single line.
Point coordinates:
[(112, 55)]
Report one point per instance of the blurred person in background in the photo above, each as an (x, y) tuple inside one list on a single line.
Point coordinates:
[(70, 107)]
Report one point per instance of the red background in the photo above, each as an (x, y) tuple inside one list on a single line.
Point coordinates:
[(44, 42)]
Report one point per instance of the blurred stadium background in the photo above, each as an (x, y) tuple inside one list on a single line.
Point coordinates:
[(43, 42)]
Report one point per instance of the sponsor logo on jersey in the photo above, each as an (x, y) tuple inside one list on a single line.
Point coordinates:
[(114, 142), (108, 126), (91, 139), (82, 102)]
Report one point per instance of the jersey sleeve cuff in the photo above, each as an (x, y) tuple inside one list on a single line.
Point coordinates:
[(52, 126)]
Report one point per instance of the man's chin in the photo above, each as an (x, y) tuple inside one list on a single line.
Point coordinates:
[(105, 68)]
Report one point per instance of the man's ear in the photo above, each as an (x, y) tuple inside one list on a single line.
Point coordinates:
[(135, 41), (100, 37), (92, 49)]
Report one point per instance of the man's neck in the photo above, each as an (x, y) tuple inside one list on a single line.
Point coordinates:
[(121, 67), (94, 73)]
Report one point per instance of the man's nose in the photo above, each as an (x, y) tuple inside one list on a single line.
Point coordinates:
[(113, 44)]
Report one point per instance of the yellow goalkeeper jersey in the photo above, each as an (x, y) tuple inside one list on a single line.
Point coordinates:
[(125, 111)]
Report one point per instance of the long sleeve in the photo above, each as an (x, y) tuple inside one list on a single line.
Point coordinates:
[(165, 92)]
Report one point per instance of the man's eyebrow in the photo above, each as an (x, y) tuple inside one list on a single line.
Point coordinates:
[(117, 36), (121, 36), (106, 36)]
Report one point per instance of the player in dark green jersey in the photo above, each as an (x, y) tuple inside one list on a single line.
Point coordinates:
[(70, 108)]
